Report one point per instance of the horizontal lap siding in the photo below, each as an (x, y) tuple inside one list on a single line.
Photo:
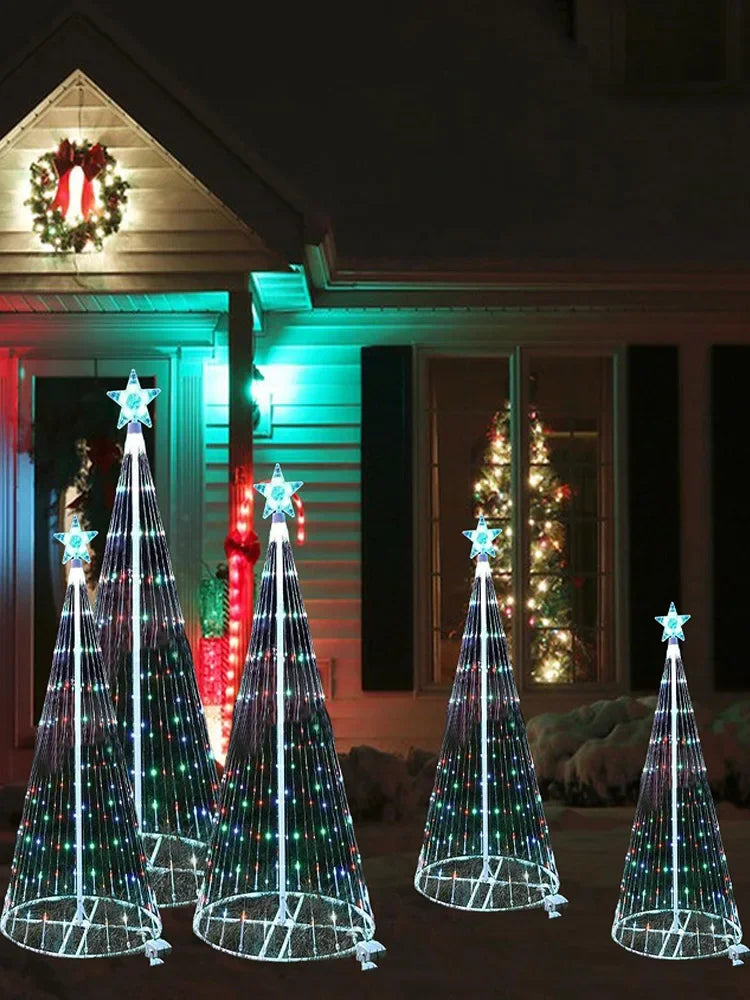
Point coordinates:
[(315, 391), (311, 363), (171, 222), (216, 447)]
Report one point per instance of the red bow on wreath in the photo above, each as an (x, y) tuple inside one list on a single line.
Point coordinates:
[(248, 546), (91, 161)]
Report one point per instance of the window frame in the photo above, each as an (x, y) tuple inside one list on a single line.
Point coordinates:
[(519, 357)]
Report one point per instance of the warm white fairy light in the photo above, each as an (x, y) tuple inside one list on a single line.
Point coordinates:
[(553, 654)]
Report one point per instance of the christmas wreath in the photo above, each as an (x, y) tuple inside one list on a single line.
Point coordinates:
[(50, 200)]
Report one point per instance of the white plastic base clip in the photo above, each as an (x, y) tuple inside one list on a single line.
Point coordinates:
[(554, 904), (735, 950), (367, 952), (155, 948)]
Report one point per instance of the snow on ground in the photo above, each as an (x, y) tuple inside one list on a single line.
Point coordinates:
[(591, 755), (434, 953)]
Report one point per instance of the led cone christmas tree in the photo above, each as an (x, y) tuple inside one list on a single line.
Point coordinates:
[(152, 677), (284, 879), (486, 843), (676, 898), (78, 883)]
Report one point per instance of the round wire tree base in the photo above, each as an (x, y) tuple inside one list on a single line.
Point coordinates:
[(688, 934), (311, 927), (109, 927), (503, 884), (175, 867)]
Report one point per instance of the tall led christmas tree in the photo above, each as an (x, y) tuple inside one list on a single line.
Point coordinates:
[(284, 880), (486, 843), (78, 883), (676, 898), (554, 648), (145, 649)]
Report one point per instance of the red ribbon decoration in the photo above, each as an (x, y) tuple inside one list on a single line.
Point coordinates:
[(92, 162), (247, 547), (300, 508)]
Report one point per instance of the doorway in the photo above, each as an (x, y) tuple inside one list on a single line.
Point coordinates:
[(69, 463)]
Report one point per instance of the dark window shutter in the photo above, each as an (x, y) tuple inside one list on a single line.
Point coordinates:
[(387, 534), (654, 502), (730, 369)]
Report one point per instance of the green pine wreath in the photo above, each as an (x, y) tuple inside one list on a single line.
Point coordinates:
[(52, 226)]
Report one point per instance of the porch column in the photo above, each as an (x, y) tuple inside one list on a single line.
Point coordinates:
[(8, 444), (241, 353), (696, 550), (187, 483)]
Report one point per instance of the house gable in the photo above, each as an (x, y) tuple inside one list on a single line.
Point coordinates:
[(200, 204), (172, 226)]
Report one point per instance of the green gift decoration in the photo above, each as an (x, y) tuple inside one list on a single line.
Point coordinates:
[(213, 607)]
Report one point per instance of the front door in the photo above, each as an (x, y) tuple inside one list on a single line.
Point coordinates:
[(68, 462)]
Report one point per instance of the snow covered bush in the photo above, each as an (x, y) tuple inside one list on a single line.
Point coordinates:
[(594, 754)]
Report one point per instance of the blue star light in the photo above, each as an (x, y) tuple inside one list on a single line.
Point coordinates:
[(278, 494), (76, 542), (672, 623), (482, 538), (133, 401)]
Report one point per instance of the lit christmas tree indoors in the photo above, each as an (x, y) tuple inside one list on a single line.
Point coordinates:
[(284, 879), (150, 664), (486, 843), (554, 647), (78, 883), (676, 899)]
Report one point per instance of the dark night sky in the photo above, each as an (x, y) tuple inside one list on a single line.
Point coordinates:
[(435, 130)]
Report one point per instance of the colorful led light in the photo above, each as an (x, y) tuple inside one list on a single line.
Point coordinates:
[(133, 402), (676, 899), (481, 538), (154, 688), (672, 623), (78, 883), (486, 842), (283, 878), (278, 493), (76, 542)]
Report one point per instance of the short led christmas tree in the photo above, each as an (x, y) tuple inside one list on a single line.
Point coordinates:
[(78, 883), (676, 898), (152, 676), (486, 843), (284, 880)]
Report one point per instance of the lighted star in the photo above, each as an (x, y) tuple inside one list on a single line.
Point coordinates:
[(133, 401), (278, 494), (482, 538), (76, 542), (672, 623)]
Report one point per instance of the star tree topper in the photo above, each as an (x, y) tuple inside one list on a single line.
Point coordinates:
[(76, 542), (481, 538), (278, 494), (133, 401), (672, 623)]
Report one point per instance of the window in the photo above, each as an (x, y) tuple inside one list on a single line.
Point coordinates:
[(553, 572)]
